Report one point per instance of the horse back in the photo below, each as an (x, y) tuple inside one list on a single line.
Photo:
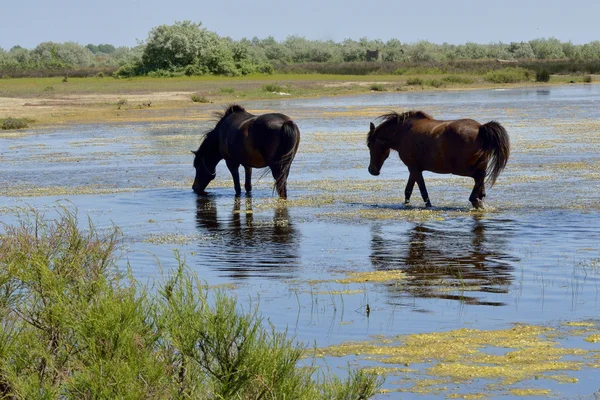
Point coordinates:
[(252, 141), (441, 146)]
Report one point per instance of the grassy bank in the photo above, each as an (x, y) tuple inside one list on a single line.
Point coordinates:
[(98, 99), (73, 327)]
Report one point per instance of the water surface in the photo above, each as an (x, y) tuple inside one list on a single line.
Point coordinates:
[(533, 256)]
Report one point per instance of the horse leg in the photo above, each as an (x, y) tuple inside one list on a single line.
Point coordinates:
[(280, 179), (409, 189), (248, 179), (418, 176), (478, 192), (235, 174)]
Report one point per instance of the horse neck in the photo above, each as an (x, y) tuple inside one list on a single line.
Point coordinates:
[(392, 134), (209, 149)]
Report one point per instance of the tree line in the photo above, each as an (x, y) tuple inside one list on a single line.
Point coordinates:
[(186, 48)]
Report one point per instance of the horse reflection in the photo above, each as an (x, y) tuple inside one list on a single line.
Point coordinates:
[(248, 245), (447, 264)]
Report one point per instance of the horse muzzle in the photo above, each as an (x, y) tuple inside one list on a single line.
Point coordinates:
[(373, 172)]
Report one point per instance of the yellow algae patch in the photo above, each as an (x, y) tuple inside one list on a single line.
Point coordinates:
[(503, 357), (467, 396), (580, 323), (425, 386), (340, 292), (22, 191), (173, 238), (529, 392), (508, 374), (593, 338), (372, 276), (367, 276)]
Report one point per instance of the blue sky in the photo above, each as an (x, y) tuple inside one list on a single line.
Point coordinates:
[(123, 22)]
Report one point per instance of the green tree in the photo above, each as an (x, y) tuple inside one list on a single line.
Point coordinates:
[(175, 46), (393, 50), (521, 50), (591, 51), (547, 48)]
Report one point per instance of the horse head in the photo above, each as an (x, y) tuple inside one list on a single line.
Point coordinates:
[(205, 162), (378, 148)]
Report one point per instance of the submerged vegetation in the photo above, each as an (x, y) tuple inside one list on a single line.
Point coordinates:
[(73, 327)]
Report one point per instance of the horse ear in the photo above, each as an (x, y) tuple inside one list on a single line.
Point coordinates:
[(372, 127), (194, 152)]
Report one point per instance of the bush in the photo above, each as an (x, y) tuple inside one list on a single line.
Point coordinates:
[(198, 98), (587, 79), (436, 83), (463, 80), (15, 123), (127, 71), (73, 327), (542, 76), (414, 81), (272, 87), (227, 90), (508, 75), (377, 87)]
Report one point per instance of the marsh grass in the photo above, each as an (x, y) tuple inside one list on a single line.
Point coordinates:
[(227, 90), (377, 87), (272, 87), (508, 75), (458, 79), (72, 326), (198, 98), (15, 123), (415, 81), (542, 76)]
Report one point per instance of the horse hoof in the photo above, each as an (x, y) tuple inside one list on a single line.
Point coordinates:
[(478, 205), (428, 204)]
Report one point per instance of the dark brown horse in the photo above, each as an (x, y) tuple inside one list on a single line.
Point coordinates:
[(461, 147), (268, 140)]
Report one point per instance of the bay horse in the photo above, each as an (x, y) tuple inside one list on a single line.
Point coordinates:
[(461, 147), (241, 138)]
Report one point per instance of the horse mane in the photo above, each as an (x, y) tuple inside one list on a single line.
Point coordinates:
[(219, 116), (402, 117), (232, 108), (399, 118)]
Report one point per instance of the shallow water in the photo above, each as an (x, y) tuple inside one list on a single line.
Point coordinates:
[(533, 256)]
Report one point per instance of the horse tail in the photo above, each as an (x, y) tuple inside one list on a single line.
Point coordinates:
[(496, 148), (288, 145)]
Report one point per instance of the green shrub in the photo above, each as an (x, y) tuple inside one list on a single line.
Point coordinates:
[(73, 327), (508, 75), (15, 123), (198, 98), (121, 103), (414, 81), (227, 90), (587, 79), (272, 87), (436, 83), (463, 80), (377, 87), (127, 71), (542, 76)]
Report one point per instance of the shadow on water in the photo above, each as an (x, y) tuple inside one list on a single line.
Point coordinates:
[(466, 262), (245, 244)]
